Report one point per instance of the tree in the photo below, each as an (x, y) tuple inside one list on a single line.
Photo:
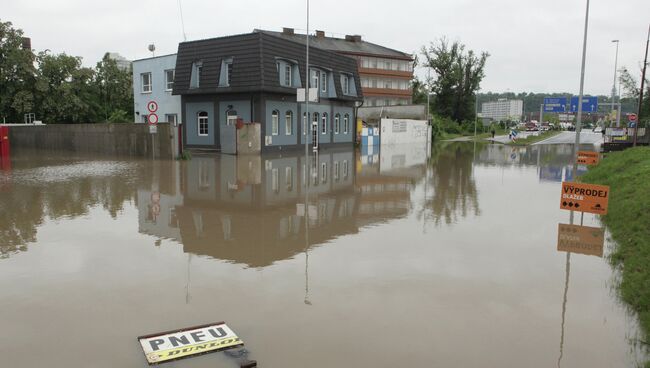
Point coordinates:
[(631, 87), (115, 88), (17, 74), (459, 73)]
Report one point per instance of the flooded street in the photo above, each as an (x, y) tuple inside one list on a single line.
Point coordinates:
[(412, 257)]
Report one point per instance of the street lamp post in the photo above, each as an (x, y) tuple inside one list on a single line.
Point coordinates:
[(614, 82), (582, 84), (645, 65)]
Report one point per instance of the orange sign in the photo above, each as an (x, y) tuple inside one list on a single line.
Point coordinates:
[(580, 239), (588, 157), (584, 197)]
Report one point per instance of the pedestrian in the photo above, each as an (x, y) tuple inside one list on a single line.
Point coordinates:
[(493, 132)]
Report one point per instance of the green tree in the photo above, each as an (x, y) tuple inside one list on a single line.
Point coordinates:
[(17, 75), (65, 93), (459, 73), (115, 88), (631, 87)]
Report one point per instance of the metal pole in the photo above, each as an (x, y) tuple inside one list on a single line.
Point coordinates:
[(582, 82), (645, 65), (306, 120), (614, 82)]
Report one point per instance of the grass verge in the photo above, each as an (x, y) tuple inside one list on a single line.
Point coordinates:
[(534, 139), (628, 219)]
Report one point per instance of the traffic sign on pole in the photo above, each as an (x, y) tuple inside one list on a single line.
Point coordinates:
[(152, 106), (553, 104), (589, 104), (152, 119), (631, 117)]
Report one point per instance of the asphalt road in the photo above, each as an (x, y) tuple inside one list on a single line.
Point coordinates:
[(586, 137)]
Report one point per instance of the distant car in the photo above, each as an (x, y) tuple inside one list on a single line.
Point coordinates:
[(598, 129), (531, 127)]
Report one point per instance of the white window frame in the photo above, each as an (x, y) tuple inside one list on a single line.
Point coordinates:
[(288, 122), (345, 169), (288, 178), (323, 172), (288, 75), (275, 122), (228, 67), (304, 123), (146, 88), (175, 118), (275, 180), (231, 117), (202, 119), (336, 171), (337, 123), (323, 119), (169, 85), (346, 122), (346, 84), (323, 82)]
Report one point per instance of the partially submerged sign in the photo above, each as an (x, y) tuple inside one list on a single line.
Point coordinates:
[(171, 345), (588, 157), (580, 239), (580, 197)]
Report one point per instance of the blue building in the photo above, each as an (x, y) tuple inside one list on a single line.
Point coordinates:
[(153, 80), (253, 78)]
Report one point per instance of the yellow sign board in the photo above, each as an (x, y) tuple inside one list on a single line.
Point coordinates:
[(580, 239), (580, 197), (166, 346)]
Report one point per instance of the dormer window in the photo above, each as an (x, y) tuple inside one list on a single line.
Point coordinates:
[(195, 78), (345, 84), (323, 82), (288, 73), (225, 77)]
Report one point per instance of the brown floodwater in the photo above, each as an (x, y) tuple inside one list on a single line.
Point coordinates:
[(404, 257)]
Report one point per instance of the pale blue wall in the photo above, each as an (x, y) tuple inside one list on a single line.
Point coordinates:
[(341, 137), (192, 110), (243, 108), (167, 104)]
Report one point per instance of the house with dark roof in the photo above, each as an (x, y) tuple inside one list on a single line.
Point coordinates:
[(385, 73), (253, 78)]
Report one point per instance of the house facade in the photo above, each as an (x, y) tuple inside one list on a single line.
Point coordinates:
[(153, 80), (253, 78)]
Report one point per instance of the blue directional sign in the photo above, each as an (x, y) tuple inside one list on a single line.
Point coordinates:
[(553, 104), (589, 104)]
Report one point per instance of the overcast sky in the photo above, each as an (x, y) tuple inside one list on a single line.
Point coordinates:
[(534, 45)]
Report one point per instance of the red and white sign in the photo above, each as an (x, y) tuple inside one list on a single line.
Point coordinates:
[(152, 106), (152, 119), (631, 117)]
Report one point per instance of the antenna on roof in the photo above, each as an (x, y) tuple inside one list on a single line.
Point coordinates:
[(152, 49), (180, 8)]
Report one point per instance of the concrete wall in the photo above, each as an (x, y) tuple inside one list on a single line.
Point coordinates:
[(167, 104), (400, 131), (107, 139), (248, 139)]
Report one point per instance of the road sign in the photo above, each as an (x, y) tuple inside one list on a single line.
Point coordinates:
[(302, 92), (580, 239), (166, 346), (579, 197), (588, 157), (589, 104), (153, 129), (553, 104), (152, 106), (152, 119), (631, 117)]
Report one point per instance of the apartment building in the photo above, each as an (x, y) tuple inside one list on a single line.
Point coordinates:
[(503, 109), (385, 73)]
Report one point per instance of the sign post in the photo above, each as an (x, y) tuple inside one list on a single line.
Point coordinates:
[(152, 119), (580, 239)]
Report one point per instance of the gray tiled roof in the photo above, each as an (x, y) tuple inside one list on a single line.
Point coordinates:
[(340, 44)]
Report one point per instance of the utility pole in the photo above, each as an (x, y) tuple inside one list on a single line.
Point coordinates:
[(645, 65), (582, 84), (614, 82)]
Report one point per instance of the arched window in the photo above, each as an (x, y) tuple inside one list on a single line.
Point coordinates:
[(323, 128), (202, 122), (231, 117), (288, 123), (275, 122), (304, 123), (337, 123), (346, 123), (315, 121)]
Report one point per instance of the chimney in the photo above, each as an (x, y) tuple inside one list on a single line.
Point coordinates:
[(287, 31), (320, 34), (353, 38), (27, 43)]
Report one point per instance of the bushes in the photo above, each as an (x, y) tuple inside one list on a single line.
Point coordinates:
[(442, 125)]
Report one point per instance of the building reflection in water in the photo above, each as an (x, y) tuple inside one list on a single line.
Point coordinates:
[(250, 209)]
